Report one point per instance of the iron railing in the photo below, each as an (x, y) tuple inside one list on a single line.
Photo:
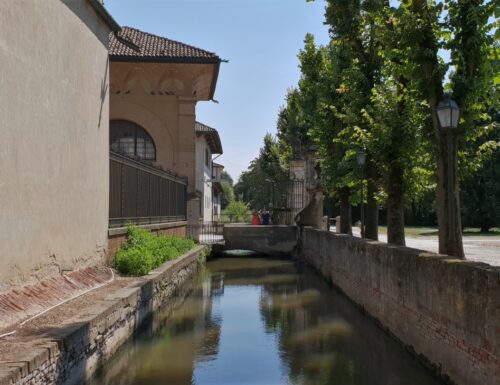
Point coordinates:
[(288, 198), (142, 194), (206, 233)]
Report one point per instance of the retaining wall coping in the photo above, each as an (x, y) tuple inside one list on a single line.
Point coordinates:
[(407, 251), (114, 231), (31, 355), (258, 226)]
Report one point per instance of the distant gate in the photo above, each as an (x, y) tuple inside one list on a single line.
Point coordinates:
[(288, 198)]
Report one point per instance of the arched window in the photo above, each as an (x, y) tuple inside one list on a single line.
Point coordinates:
[(132, 140)]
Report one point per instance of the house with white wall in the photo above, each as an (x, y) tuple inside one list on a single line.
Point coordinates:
[(208, 143), (217, 190)]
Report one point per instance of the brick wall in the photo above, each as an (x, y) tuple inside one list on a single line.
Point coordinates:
[(447, 310)]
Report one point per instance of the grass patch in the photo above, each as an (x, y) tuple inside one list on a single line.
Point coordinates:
[(143, 251)]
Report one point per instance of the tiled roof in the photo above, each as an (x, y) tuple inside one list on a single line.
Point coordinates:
[(211, 135), (130, 44), (217, 165)]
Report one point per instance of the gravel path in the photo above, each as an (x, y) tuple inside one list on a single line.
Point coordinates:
[(478, 249)]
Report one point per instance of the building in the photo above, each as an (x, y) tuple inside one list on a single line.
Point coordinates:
[(98, 131), (208, 143), (217, 190), (155, 84), (54, 160)]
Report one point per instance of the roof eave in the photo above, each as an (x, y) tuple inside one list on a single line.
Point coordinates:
[(105, 15), (215, 78), (159, 59)]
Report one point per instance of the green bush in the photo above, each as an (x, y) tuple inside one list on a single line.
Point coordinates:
[(238, 212), (142, 251)]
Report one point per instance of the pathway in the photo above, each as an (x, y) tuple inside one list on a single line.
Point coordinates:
[(478, 249)]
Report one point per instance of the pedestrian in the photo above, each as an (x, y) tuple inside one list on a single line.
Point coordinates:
[(255, 218), (266, 216)]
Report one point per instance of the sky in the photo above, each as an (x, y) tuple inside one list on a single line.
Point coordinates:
[(261, 40)]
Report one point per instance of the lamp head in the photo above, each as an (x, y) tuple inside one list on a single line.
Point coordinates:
[(448, 113), (361, 158)]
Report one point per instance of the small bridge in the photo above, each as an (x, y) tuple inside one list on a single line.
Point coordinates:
[(272, 239), (265, 239)]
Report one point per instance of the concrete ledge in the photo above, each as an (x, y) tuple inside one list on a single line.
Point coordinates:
[(72, 351), (447, 310), (153, 226), (272, 240)]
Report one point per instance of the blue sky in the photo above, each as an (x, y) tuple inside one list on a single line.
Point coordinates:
[(261, 40)]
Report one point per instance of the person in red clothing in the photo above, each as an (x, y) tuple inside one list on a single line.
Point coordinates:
[(255, 218)]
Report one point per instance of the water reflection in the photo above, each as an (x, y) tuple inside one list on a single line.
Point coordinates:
[(261, 321)]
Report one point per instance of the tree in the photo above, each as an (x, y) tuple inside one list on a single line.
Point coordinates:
[(224, 176), (466, 35), (255, 185), (227, 189), (481, 196), (227, 194)]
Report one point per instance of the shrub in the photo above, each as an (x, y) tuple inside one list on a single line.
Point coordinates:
[(142, 251), (238, 211)]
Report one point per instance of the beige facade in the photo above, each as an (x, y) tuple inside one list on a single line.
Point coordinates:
[(54, 142), (161, 98)]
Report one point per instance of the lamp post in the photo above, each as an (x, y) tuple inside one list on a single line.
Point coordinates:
[(448, 114), (361, 158)]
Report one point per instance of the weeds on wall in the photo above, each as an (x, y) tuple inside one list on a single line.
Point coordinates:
[(143, 251)]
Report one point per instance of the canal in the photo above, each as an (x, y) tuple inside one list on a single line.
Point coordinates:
[(263, 321)]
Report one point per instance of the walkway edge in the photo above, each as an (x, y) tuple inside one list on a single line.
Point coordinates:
[(73, 351)]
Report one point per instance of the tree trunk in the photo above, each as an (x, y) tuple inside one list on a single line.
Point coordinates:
[(345, 212), (371, 222), (447, 199), (395, 207), (447, 194)]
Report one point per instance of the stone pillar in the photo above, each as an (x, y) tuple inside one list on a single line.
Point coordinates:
[(186, 155)]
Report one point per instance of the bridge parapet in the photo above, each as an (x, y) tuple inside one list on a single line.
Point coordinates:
[(272, 239)]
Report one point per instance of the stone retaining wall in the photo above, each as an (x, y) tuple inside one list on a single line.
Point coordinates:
[(72, 352), (447, 310)]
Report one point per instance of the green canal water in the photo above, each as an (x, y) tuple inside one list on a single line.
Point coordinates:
[(261, 321)]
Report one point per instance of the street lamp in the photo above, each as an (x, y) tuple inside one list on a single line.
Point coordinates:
[(361, 158), (448, 114)]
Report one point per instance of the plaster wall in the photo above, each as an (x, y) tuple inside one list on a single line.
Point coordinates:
[(149, 94), (447, 310), (54, 142), (204, 178)]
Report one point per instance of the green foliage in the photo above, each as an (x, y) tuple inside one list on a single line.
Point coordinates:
[(481, 189), (255, 185), (142, 251), (227, 194), (376, 84), (238, 211), (224, 176)]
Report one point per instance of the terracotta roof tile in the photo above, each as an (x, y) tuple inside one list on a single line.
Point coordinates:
[(212, 136), (133, 44)]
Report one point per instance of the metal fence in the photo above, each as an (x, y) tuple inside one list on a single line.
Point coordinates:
[(288, 198), (143, 194), (233, 218), (206, 233)]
